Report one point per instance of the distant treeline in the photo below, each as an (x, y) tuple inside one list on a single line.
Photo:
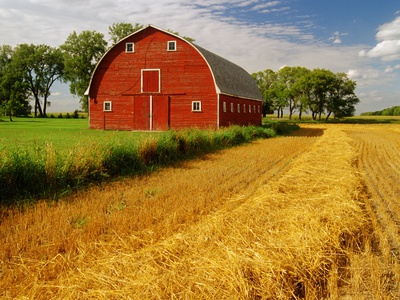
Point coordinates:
[(392, 111)]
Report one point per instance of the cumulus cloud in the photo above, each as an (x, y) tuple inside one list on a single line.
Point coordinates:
[(388, 46)]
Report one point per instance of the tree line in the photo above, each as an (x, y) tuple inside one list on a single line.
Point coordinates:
[(319, 92), (390, 111)]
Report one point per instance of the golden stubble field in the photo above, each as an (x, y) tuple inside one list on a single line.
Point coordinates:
[(315, 215)]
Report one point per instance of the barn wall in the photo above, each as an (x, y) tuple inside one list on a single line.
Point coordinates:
[(185, 77), (250, 112)]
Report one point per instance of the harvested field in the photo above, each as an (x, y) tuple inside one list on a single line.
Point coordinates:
[(376, 271), (299, 217)]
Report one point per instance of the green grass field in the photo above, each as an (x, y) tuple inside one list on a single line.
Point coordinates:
[(47, 157), (61, 133)]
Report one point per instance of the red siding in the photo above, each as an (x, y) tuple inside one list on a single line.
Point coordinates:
[(250, 112), (180, 76)]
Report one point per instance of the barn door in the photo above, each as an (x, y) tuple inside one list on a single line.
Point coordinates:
[(151, 112), (151, 81), (141, 113), (160, 113)]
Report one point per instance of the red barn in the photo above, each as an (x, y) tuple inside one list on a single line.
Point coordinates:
[(156, 80)]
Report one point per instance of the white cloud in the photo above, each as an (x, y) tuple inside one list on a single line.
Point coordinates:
[(388, 47), (390, 69), (389, 31)]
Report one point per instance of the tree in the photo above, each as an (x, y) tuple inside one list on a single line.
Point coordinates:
[(265, 80), (81, 54), (14, 93), (342, 99), (292, 87), (299, 89), (320, 81), (118, 31), (39, 67)]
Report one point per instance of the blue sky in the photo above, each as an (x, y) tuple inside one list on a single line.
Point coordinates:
[(360, 38)]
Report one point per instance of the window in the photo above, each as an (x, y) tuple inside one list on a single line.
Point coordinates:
[(232, 107), (171, 46), (249, 108), (196, 106), (107, 106), (224, 106), (238, 108), (259, 109), (254, 108), (244, 108), (129, 47)]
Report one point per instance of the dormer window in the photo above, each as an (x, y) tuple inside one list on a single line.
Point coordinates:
[(129, 47), (171, 46)]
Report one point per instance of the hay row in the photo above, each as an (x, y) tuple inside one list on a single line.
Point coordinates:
[(290, 240)]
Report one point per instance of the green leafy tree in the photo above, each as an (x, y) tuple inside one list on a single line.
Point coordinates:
[(291, 80), (320, 81), (81, 54), (265, 81), (118, 31), (14, 93), (39, 66), (319, 91), (342, 98)]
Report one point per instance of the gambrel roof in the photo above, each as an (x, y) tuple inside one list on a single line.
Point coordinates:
[(229, 77)]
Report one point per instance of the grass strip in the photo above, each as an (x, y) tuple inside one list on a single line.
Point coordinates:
[(42, 171)]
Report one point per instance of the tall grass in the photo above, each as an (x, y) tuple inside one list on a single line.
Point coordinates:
[(43, 171)]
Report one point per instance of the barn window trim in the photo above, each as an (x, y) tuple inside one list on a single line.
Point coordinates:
[(232, 108), (196, 106), (107, 106), (130, 47), (238, 108), (224, 106), (171, 46)]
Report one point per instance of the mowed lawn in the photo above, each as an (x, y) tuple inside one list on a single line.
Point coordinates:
[(61, 133)]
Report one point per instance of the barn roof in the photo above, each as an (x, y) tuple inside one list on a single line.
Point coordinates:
[(229, 77)]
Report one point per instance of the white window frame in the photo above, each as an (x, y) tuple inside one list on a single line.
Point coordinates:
[(105, 104), (224, 106), (238, 108), (232, 108), (244, 108), (196, 106), (130, 50), (171, 43), (249, 108)]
